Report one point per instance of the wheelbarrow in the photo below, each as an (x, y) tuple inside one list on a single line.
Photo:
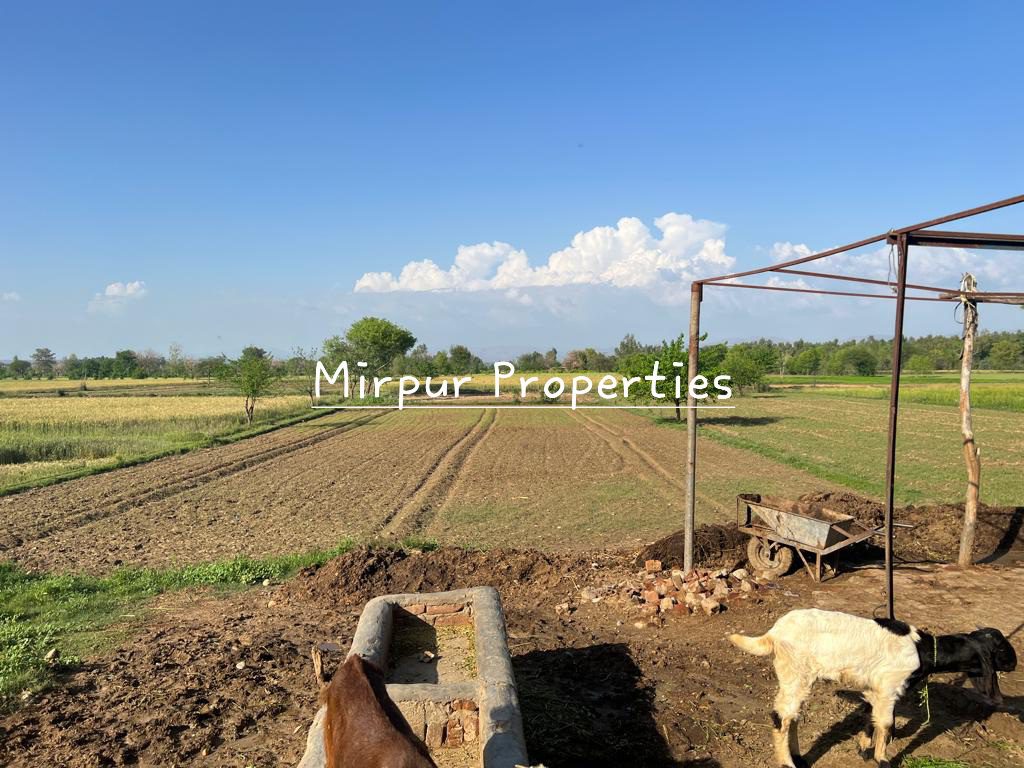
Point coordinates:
[(779, 527)]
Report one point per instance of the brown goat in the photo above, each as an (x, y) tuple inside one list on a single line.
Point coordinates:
[(362, 726)]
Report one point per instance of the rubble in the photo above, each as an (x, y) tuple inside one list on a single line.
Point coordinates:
[(659, 592)]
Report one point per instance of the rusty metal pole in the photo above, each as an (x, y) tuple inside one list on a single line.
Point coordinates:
[(696, 294), (894, 407)]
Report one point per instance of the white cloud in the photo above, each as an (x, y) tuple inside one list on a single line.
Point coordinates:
[(10, 296), (788, 251), (628, 255), (939, 267), (116, 295)]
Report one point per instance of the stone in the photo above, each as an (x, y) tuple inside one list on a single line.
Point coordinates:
[(709, 605), (666, 604), (747, 586), (721, 590), (740, 574), (652, 566), (691, 599), (678, 579), (651, 596)]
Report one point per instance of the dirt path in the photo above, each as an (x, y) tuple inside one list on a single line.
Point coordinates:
[(596, 691), (416, 512)]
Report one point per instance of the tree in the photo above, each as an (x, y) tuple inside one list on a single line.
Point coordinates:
[(551, 358), (43, 362), (744, 368), (378, 341), (462, 361), (126, 364), (253, 374), (176, 365), (303, 365), (531, 361), (73, 367), (1004, 355), (19, 368), (641, 364), (919, 364), (806, 362)]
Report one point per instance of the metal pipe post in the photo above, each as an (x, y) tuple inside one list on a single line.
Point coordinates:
[(696, 294), (894, 406)]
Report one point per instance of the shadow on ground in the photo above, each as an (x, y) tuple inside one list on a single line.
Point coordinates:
[(951, 707), (591, 708)]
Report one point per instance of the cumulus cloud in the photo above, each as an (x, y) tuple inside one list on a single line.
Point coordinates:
[(627, 255), (116, 295), (10, 296)]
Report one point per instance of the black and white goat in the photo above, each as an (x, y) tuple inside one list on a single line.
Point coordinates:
[(880, 657)]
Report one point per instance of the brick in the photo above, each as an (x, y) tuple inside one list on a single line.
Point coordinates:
[(677, 579), (452, 620), (466, 704), (680, 610), (434, 610), (652, 566), (666, 604), (453, 733), (470, 725), (416, 610), (651, 596)]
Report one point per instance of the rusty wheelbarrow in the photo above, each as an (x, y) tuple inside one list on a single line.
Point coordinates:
[(779, 527)]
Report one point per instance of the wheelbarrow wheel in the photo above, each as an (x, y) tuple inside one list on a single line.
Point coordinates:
[(769, 558)]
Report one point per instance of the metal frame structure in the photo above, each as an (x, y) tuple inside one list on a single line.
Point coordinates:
[(902, 240)]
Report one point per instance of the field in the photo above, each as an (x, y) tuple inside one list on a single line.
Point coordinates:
[(495, 489)]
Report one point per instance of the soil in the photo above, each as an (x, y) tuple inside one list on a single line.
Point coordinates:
[(421, 653), (598, 685), (934, 532)]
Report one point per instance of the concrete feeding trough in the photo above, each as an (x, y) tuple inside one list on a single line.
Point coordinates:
[(448, 669)]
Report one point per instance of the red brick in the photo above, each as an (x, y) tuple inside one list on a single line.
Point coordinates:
[(444, 608)]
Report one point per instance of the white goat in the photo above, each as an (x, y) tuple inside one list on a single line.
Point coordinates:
[(879, 657)]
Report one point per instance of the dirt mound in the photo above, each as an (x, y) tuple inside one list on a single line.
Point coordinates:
[(366, 572), (935, 535), (712, 545), (866, 511)]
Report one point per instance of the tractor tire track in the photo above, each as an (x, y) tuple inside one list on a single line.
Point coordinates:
[(433, 490), (181, 484), (621, 444)]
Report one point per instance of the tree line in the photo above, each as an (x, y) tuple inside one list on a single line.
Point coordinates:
[(390, 349)]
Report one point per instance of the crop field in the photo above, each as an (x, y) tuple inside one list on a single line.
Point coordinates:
[(551, 478), (45, 438)]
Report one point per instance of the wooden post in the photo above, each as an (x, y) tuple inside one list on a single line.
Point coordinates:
[(690, 514), (971, 453), (903, 249)]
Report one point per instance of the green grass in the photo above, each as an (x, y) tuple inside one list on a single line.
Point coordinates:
[(993, 390), (69, 613), (932, 762), (842, 439)]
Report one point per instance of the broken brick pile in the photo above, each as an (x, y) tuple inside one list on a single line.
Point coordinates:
[(658, 592)]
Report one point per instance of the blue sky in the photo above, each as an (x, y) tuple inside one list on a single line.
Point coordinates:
[(218, 174)]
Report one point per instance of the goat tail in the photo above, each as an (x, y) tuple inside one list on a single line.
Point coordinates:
[(759, 646)]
